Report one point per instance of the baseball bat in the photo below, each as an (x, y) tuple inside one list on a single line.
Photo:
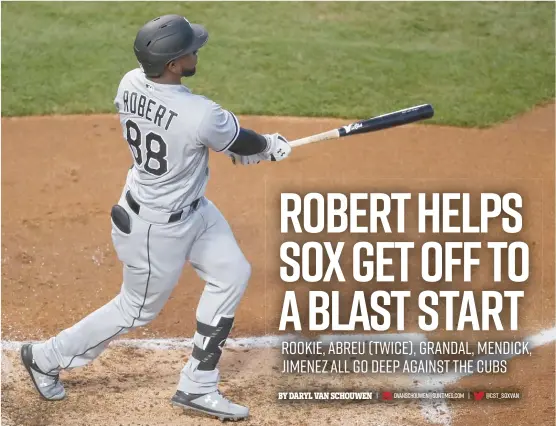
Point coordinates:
[(381, 122)]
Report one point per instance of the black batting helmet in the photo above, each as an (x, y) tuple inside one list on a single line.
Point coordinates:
[(165, 39)]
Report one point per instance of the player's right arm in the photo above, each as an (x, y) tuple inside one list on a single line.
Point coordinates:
[(220, 130)]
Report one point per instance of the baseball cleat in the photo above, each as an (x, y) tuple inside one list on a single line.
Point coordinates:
[(213, 403), (48, 385)]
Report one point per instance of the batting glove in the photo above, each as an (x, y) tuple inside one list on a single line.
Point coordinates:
[(278, 147), (245, 160)]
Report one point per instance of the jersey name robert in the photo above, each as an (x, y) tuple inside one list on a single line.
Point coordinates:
[(148, 109), (170, 131)]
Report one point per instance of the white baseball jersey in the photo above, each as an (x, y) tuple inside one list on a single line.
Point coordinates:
[(169, 131)]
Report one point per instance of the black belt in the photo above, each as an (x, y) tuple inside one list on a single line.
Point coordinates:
[(174, 217)]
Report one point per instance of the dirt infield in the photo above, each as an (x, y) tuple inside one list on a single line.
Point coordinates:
[(61, 175)]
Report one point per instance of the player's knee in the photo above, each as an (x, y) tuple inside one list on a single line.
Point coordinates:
[(147, 316), (126, 310), (141, 317), (136, 315), (243, 272), (239, 273)]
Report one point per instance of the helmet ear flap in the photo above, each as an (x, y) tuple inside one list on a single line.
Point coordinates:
[(149, 70)]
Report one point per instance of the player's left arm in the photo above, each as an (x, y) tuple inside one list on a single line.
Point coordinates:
[(220, 130)]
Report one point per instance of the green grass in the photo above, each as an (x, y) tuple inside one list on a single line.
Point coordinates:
[(477, 63)]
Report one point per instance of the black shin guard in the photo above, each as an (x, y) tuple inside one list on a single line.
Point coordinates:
[(214, 339)]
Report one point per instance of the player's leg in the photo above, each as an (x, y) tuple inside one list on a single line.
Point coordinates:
[(219, 261), (153, 257)]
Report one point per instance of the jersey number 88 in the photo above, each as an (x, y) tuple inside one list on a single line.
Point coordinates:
[(155, 162)]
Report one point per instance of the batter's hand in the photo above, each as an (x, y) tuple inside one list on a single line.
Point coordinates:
[(278, 147), (245, 160)]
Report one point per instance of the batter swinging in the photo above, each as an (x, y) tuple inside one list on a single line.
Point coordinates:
[(163, 220)]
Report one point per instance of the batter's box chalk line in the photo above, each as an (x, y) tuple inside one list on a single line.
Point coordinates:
[(434, 411)]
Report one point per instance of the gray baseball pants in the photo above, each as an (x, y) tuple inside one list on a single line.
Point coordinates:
[(153, 255)]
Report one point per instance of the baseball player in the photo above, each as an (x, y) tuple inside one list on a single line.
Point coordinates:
[(163, 220)]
